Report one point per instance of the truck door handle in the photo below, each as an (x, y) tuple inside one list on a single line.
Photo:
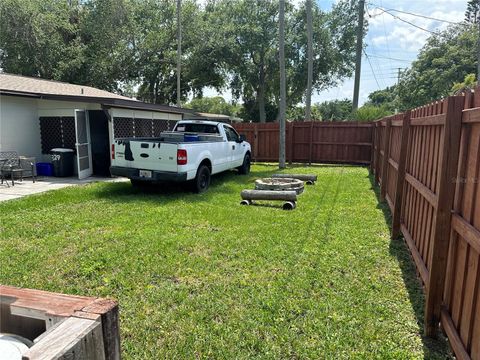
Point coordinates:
[(233, 147)]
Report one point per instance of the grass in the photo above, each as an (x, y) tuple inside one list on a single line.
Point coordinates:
[(199, 276)]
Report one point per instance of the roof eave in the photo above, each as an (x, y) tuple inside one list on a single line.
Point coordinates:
[(105, 101)]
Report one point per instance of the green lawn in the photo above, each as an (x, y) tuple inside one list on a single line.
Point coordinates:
[(200, 276)]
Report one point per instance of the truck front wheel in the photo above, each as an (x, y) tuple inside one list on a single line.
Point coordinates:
[(202, 180)]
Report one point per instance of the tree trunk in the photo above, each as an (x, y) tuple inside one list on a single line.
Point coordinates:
[(308, 100), (283, 87), (261, 94), (179, 52), (269, 195)]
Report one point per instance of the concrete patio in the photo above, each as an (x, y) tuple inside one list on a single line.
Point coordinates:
[(42, 184)]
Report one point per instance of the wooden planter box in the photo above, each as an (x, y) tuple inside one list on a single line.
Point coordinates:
[(61, 326)]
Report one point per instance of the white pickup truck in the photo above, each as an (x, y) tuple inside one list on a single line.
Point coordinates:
[(193, 151)]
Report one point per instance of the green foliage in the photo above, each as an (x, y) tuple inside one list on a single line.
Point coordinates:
[(214, 105), (443, 61), (202, 277), (80, 42), (371, 112), (122, 45), (41, 38), (468, 83), (333, 110), (385, 97)]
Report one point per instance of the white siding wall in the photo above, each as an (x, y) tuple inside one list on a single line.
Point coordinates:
[(19, 126)]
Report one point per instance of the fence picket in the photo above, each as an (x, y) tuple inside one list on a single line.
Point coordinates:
[(442, 222), (399, 188)]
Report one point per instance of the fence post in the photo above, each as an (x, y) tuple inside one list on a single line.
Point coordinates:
[(442, 222), (311, 144), (397, 205), (386, 155), (372, 154), (290, 142), (255, 142), (377, 152)]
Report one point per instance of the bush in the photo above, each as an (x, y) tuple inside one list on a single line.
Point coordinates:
[(370, 113)]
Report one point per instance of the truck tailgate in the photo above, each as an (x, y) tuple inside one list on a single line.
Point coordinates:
[(145, 154)]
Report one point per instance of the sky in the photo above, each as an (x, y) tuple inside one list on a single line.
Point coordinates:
[(390, 42)]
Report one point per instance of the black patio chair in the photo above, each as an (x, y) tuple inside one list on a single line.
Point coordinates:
[(11, 166)]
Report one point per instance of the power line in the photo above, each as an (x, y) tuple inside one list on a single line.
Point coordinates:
[(379, 88), (410, 23), (413, 14), (389, 58)]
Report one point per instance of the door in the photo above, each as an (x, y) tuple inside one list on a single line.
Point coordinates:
[(99, 142), (235, 147), (82, 137)]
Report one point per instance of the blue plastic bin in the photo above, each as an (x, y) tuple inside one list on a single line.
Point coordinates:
[(190, 137), (44, 169)]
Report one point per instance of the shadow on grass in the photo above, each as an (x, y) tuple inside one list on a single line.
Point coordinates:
[(433, 348), (167, 192)]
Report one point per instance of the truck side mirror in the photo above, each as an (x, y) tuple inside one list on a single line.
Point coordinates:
[(242, 138)]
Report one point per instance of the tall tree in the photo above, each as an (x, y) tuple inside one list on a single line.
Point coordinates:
[(41, 38), (156, 51), (249, 27), (107, 41), (472, 14)]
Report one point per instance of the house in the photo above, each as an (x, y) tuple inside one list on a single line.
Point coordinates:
[(37, 115)]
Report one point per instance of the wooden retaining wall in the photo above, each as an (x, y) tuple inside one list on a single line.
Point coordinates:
[(427, 163), (311, 142)]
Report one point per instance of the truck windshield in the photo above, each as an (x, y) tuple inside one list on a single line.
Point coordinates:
[(197, 128)]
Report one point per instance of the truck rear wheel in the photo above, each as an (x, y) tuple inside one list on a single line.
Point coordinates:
[(245, 168), (202, 180), (138, 183)]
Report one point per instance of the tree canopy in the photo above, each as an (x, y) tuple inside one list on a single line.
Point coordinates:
[(443, 61), (129, 46), (214, 105)]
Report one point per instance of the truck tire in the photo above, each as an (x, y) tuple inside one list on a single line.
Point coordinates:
[(202, 180), (245, 168), (138, 183)]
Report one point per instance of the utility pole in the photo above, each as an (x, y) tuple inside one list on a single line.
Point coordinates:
[(478, 52), (308, 105), (179, 51), (283, 89), (358, 60)]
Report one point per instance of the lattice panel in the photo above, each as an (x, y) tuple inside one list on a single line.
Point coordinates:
[(68, 132), (161, 125), (50, 133), (122, 127), (143, 127), (56, 131)]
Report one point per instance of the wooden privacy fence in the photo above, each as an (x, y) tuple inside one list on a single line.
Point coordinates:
[(427, 162), (311, 142)]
